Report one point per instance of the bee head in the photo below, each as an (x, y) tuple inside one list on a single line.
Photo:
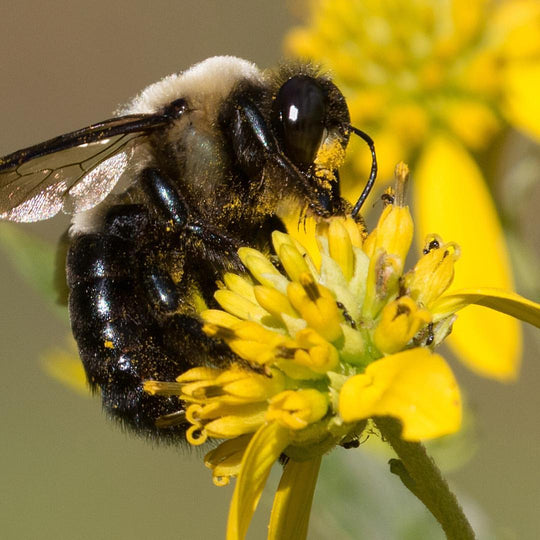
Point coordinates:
[(311, 121)]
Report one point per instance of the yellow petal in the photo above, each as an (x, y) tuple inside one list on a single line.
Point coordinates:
[(507, 302), (226, 459), (467, 16), (262, 452), (453, 201), (516, 25), (415, 386), (292, 503), (67, 368), (225, 450), (522, 81), (472, 121)]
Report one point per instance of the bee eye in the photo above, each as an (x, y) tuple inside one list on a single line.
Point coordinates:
[(300, 112)]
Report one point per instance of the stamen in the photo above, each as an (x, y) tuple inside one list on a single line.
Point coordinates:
[(173, 419), (195, 435), (193, 415), (162, 388), (221, 481), (402, 177)]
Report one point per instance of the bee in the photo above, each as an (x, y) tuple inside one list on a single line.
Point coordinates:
[(162, 196)]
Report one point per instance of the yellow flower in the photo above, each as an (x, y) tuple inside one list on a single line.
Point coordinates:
[(64, 365), (433, 82), (321, 351)]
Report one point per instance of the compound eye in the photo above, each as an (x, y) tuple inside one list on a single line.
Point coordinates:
[(300, 107)]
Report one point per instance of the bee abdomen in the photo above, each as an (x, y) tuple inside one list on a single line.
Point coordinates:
[(120, 342)]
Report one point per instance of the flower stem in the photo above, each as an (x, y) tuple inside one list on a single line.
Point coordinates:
[(422, 477)]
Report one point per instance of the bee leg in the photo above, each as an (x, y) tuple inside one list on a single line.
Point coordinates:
[(213, 246), (163, 196), (181, 326), (161, 290)]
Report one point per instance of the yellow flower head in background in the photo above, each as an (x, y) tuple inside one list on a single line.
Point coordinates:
[(321, 348), (412, 69), (432, 81)]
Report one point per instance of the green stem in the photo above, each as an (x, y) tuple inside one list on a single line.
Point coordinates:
[(422, 477)]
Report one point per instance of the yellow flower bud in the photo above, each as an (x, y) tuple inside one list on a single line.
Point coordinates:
[(274, 301), (237, 385), (297, 409), (382, 282), (400, 321), (239, 305), (262, 269), (247, 419), (317, 306), (340, 247), (315, 352), (220, 318), (254, 352), (293, 262), (434, 272), (395, 232), (233, 386), (239, 285)]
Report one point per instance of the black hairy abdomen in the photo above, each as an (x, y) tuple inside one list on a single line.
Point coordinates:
[(121, 340)]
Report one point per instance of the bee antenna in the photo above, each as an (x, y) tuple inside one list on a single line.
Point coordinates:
[(372, 174)]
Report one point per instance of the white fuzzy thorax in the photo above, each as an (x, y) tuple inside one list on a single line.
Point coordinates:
[(205, 84)]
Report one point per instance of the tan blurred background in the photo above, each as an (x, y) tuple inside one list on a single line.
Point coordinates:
[(65, 471)]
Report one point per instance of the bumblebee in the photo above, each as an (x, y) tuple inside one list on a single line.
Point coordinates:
[(162, 196)]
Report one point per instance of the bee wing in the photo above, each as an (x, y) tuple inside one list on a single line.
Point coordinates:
[(72, 172)]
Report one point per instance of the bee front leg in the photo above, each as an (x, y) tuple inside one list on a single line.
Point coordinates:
[(207, 244)]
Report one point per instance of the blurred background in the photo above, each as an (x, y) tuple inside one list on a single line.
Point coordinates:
[(67, 472)]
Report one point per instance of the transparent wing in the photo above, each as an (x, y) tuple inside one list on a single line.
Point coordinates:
[(72, 172)]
